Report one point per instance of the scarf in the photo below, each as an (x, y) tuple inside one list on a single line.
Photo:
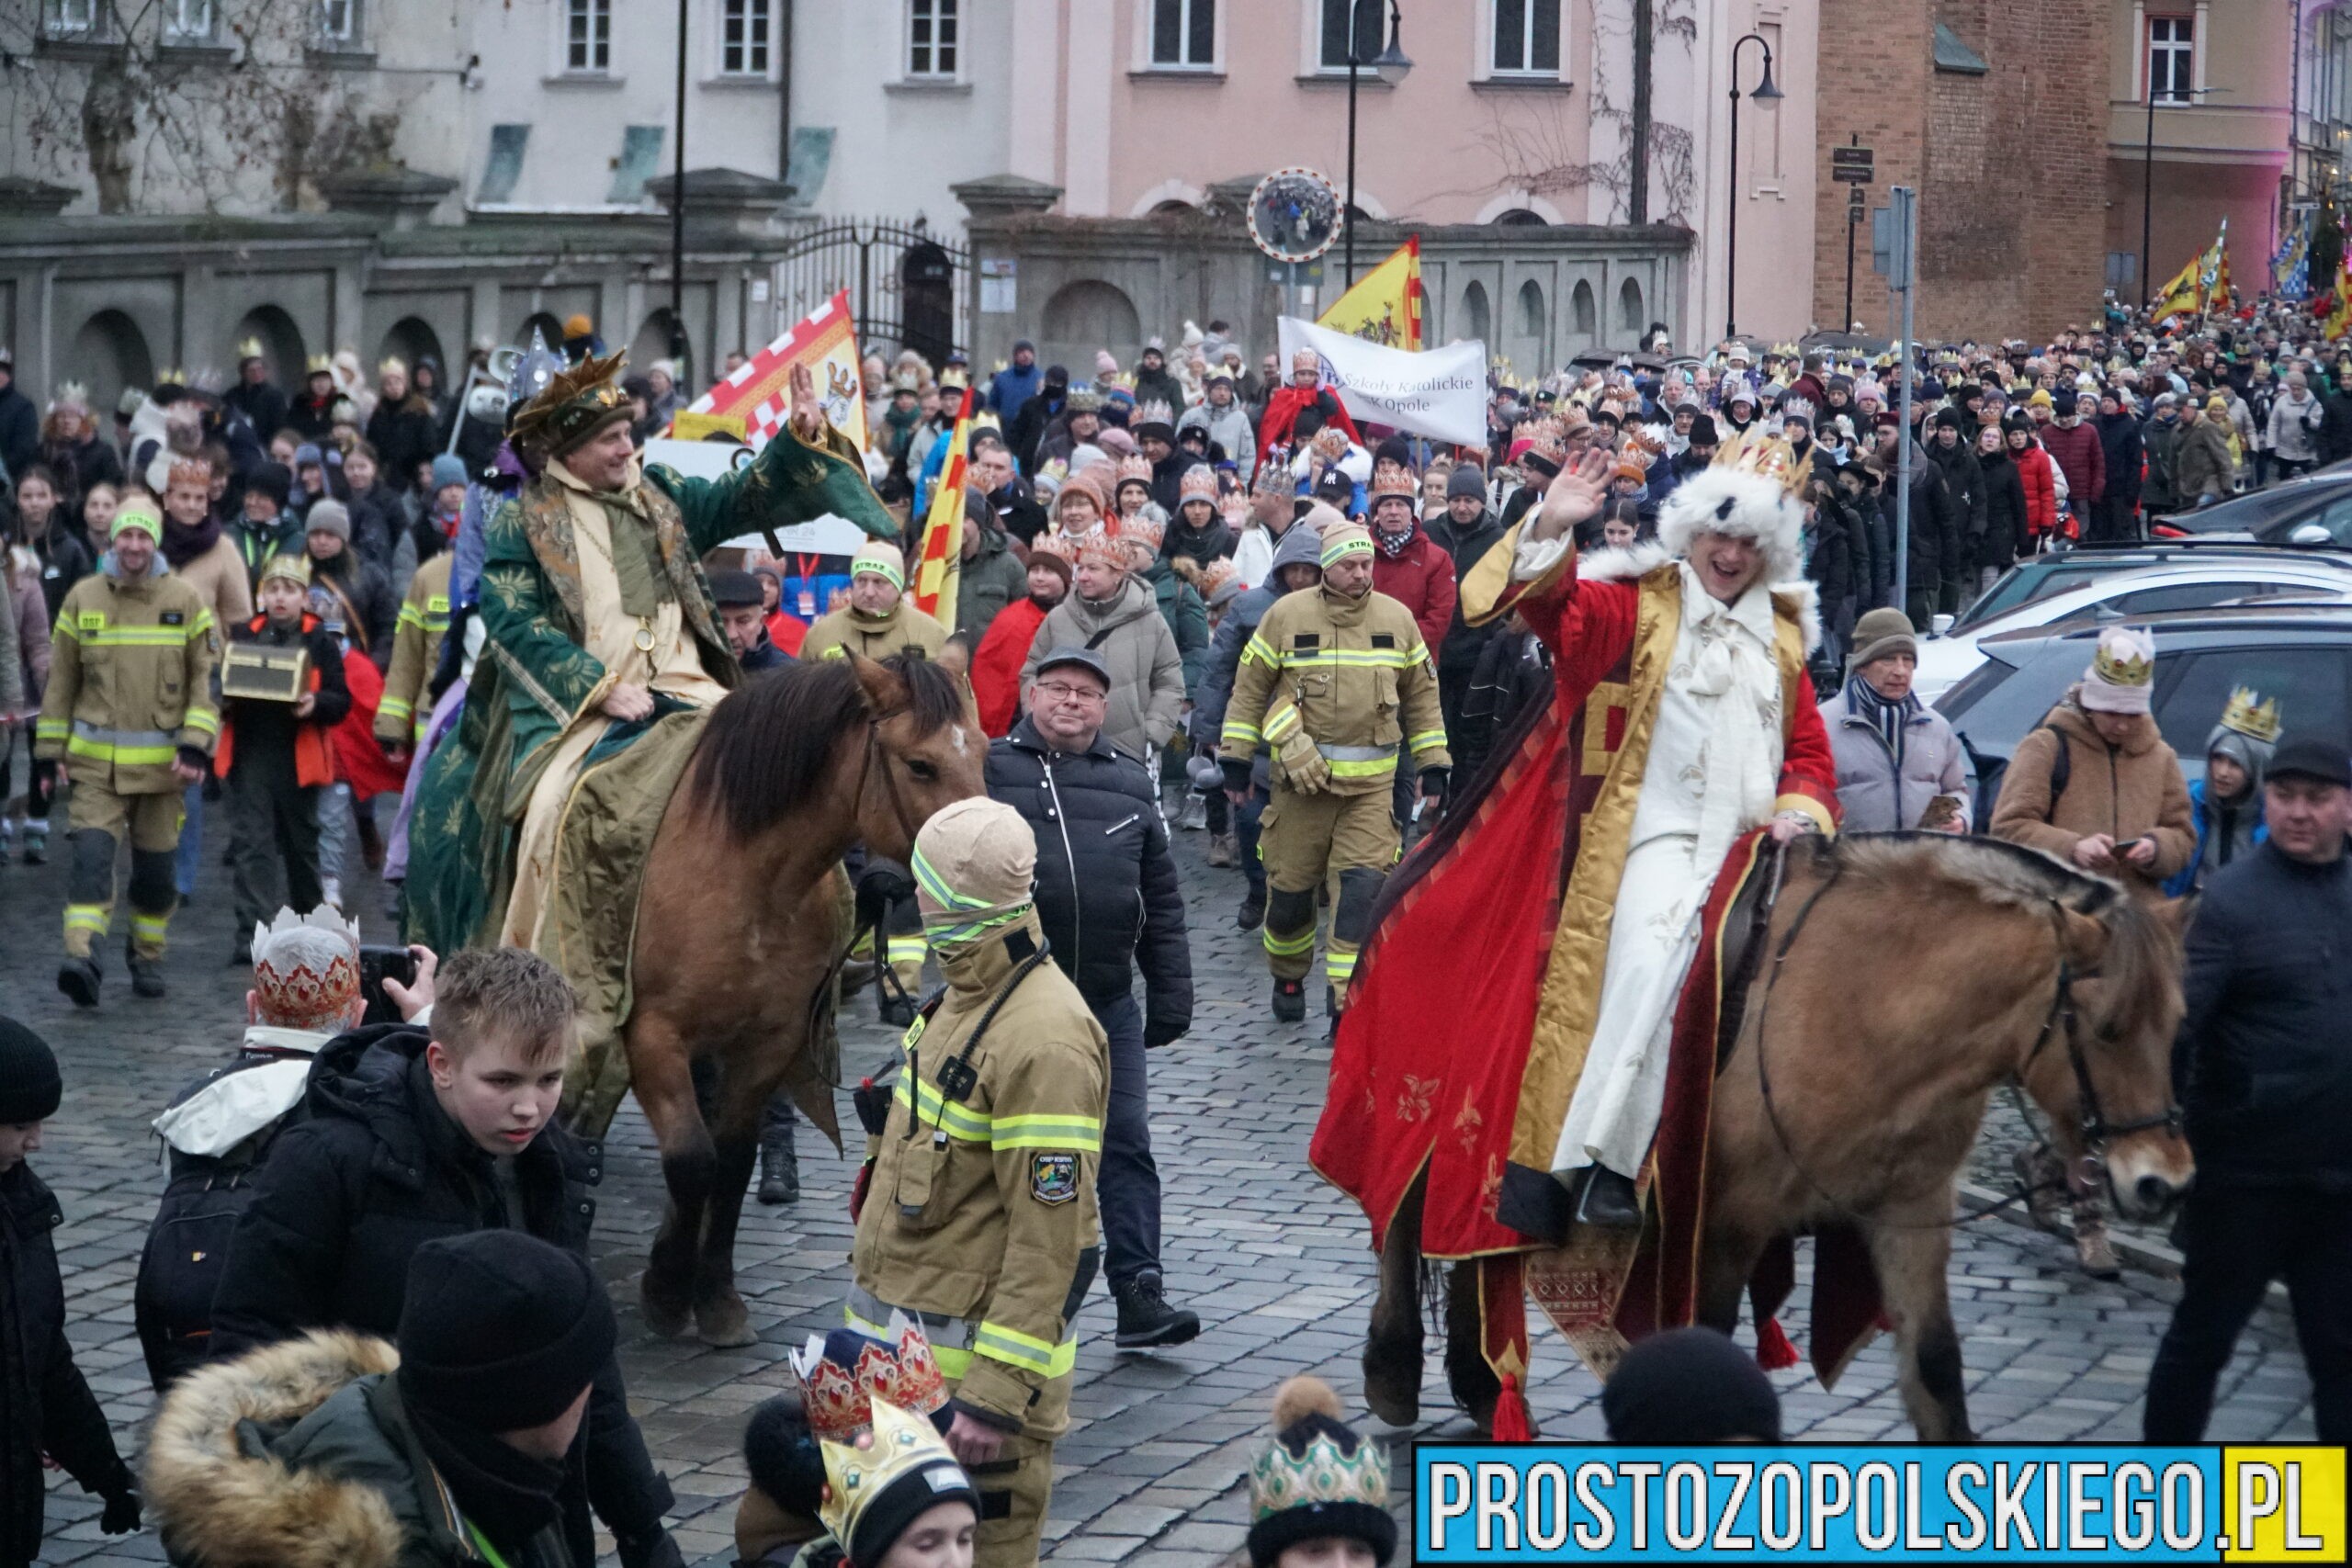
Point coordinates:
[(1892, 719), (502, 1491), (182, 544), (1725, 652), (1392, 546)]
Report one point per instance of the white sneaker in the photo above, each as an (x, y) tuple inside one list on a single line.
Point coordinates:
[(331, 891)]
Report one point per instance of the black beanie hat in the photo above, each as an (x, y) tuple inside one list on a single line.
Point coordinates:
[(1702, 431), (500, 1330), (272, 480), (29, 1086), (1690, 1385), (783, 1458), (1397, 449)]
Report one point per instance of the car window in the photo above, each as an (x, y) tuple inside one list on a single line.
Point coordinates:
[(2309, 684), (2065, 579), (2336, 517), (2184, 596)]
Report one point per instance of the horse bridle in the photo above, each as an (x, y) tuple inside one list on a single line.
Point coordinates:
[(890, 781), (2063, 1018)]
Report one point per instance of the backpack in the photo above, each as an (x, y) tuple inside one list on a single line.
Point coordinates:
[(188, 1244), (1990, 771)]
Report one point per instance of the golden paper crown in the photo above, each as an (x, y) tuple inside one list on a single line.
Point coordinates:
[(1394, 481), (1197, 483), (901, 1446), (392, 364), (249, 348), (2118, 663), (170, 377), (1136, 466), (289, 568), (1142, 532), (2253, 716), (1751, 452), (319, 365), (839, 1399)]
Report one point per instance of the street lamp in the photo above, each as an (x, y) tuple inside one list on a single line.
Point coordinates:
[(2148, 165), (1765, 92), (1392, 65)]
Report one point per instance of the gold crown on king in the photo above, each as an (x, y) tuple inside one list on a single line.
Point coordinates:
[(2252, 716), (854, 1476), (291, 567), (1322, 1473), (839, 1400), (1768, 456)]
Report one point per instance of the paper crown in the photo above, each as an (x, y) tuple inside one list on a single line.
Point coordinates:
[(1155, 411), (1135, 467), (1305, 359), (577, 402), (843, 1401), (903, 1445), (71, 395), (391, 365), (1397, 482), (1197, 483), (306, 969), (251, 348), (1797, 408), (287, 568), (1273, 474), (2121, 662), (170, 377), (1101, 546), (319, 365), (2253, 716), (1141, 535)]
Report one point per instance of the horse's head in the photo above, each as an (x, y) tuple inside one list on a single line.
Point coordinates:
[(924, 746), (2114, 1031)]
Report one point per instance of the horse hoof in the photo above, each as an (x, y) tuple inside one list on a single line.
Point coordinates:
[(1392, 1383), (724, 1325), (667, 1319)]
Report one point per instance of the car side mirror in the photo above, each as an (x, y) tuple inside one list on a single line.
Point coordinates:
[(2310, 534), (1939, 625)]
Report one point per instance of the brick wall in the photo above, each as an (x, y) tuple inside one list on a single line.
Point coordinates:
[(2011, 165)]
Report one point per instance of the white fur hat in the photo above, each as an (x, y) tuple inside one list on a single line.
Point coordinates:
[(1728, 501)]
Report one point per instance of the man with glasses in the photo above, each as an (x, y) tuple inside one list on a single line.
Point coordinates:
[(1108, 898)]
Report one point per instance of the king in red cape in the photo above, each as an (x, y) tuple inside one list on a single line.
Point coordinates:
[(1531, 1026)]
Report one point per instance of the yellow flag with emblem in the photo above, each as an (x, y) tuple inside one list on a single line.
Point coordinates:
[(1385, 306)]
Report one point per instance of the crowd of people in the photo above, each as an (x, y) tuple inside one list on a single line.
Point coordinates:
[(1193, 594)]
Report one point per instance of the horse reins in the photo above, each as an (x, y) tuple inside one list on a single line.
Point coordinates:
[(890, 781), (2061, 1017)]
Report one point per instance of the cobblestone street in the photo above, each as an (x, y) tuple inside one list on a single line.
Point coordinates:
[(1273, 1260)]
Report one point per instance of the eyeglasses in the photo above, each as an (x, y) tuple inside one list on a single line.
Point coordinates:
[(1056, 691)]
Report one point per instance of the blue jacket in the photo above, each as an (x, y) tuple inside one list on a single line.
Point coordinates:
[(1010, 388), (2184, 881)]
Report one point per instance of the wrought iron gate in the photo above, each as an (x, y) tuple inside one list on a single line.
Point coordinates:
[(906, 285)]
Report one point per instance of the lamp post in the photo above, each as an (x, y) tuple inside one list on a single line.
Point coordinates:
[(2148, 164), (1392, 64), (680, 346), (1768, 93)]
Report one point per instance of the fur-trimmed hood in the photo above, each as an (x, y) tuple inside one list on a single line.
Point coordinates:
[(1746, 505), (217, 1499), (1792, 595)]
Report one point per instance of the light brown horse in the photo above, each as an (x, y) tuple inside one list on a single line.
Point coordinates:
[(1902, 978), (740, 924)]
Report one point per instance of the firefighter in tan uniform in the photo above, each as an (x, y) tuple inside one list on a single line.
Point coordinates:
[(978, 1216), (402, 712), (129, 720), (1335, 682)]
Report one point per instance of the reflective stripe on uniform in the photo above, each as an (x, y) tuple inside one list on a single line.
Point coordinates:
[(1290, 946), (49, 730), (1357, 753), (1427, 740), (907, 949), (91, 628), (955, 1340), (1239, 732), (1339, 965), (1352, 658), (1257, 647), (393, 707), (1030, 1354), (88, 918), (149, 927), (201, 719), (929, 1107), (1284, 720), (123, 748)]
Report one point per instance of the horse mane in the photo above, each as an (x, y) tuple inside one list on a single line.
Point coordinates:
[(2141, 967), (764, 755)]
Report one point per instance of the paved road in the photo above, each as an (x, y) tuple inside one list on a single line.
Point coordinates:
[(1273, 1260)]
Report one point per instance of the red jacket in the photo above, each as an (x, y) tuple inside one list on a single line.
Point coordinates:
[(996, 664), (1282, 410), (2084, 458), (1421, 580), (2034, 471)]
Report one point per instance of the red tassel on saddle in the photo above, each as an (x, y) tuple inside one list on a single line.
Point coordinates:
[(1773, 1351), (1512, 1424)]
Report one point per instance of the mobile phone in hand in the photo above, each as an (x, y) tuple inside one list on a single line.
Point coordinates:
[(377, 964)]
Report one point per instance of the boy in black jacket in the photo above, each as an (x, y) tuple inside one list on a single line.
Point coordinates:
[(277, 758), (436, 1128), (46, 1408)]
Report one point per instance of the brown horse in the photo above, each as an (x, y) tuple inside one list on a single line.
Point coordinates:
[(739, 925), (1903, 977)]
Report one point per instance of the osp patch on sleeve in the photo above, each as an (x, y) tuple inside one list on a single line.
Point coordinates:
[(1053, 1178)]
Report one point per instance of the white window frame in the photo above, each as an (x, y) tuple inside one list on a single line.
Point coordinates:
[(591, 10), (1311, 18), (2184, 52), (757, 18), (1147, 28), (73, 18), (1487, 18), (189, 23), (352, 35), (927, 16)]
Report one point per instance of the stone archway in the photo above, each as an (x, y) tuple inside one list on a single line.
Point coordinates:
[(411, 339), (110, 353), (281, 346), (1084, 316)]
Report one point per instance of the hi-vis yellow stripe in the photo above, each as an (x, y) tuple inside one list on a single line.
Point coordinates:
[(92, 629), (1025, 1350), (1035, 1131)]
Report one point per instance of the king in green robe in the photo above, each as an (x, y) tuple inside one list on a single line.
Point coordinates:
[(596, 622)]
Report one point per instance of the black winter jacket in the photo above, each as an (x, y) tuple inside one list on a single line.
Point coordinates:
[(372, 1171), (2264, 1060), (1107, 892), (1458, 654), (1965, 490), (45, 1405), (2119, 435), (2006, 537)]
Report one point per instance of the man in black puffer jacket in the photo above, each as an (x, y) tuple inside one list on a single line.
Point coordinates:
[(1109, 901), (2265, 1067), (438, 1128)]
